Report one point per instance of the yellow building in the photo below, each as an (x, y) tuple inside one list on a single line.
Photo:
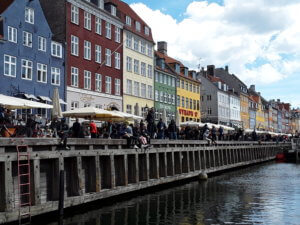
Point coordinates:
[(138, 62), (260, 113), (244, 110)]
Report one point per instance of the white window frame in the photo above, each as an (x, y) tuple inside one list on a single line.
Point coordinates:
[(117, 35), (98, 25), (74, 105), (117, 60), (117, 86), (128, 40), (74, 14), (136, 44), (41, 73), (87, 21), (98, 54), (143, 47), (98, 82), (129, 87), (108, 30), (87, 80), (128, 21), (147, 30), (29, 15), (55, 75), (129, 64), (12, 34), (56, 49), (129, 109), (143, 90), (138, 26), (150, 71), (143, 69), (107, 85), (149, 50), (26, 65), (74, 76), (42, 44), (87, 50), (113, 10), (150, 91), (136, 66), (12, 66), (74, 45), (136, 89), (156, 95), (27, 39), (108, 57)]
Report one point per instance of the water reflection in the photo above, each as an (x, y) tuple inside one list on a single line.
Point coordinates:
[(266, 194)]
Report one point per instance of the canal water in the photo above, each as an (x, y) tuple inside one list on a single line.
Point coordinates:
[(264, 194)]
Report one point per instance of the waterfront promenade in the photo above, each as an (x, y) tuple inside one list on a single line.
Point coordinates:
[(96, 169)]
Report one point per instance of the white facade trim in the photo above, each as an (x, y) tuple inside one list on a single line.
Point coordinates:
[(96, 12), (93, 93)]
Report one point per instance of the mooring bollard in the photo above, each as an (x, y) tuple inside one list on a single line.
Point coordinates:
[(203, 176)]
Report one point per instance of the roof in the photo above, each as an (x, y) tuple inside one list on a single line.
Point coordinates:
[(169, 60), (4, 4), (253, 98), (126, 10)]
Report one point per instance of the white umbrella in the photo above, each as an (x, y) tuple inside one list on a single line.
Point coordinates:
[(192, 124), (56, 111), (128, 116), (93, 113)]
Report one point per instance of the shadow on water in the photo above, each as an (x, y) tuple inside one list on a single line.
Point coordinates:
[(265, 194)]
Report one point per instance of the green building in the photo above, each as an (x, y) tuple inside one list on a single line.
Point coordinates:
[(164, 87)]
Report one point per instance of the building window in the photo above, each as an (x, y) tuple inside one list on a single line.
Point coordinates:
[(143, 90), (187, 103), (129, 87), (182, 102), (198, 105), (194, 88), (191, 87), (42, 43), (10, 66), (117, 60), (129, 109), (143, 69), (191, 104), (128, 40), (74, 76), (42, 73), (74, 14), (87, 80), (156, 77), (173, 99), (165, 79), (150, 92), (113, 10), (86, 105), (98, 82), (156, 95), (161, 78), (143, 47), (149, 50), (195, 105), (169, 80), (26, 69), (55, 76), (12, 34), (98, 106), (27, 39), (147, 30), (178, 83), (108, 30), (117, 86), (56, 49), (108, 85), (209, 111), (98, 53), (128, 64), (136, 88), (107, 57), (128, 21), (74, 45), (136, 44), (136, 66), (150, 71), (29, 15), (117, 34), (208, 97), (137, 26), (74, 105), (166, 98), (182, 84), (87, 21), (178, 100), (161, 96), (87, 50), (98, 25), (187, 86)]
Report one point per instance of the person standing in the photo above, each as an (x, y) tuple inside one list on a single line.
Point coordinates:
[(161, 126), (150, 121), (93, 129), (76, 129), (221, 132), (172, 130), (213, 134)]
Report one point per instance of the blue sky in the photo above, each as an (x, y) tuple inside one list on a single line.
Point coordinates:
[(258, 39)]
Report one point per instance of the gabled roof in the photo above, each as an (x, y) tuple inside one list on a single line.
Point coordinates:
[(4, 4), (126, 10)]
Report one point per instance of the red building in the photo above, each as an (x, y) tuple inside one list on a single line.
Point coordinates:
[(92, 32)]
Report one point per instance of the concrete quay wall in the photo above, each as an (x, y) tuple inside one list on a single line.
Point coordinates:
[(98, 169)]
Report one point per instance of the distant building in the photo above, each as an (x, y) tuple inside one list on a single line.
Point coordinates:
[(32, 60), (260, 115)]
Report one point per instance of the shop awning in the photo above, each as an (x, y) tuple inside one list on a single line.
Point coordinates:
[(45, 98), (19, 103), (30, 96), (62, 102)]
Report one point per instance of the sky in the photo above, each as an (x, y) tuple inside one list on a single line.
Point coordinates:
[(259, 39)]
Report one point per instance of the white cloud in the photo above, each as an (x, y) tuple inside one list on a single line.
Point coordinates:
[(238, 33)]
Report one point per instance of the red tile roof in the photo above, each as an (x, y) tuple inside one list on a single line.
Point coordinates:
[(4, 4), (126, 10)]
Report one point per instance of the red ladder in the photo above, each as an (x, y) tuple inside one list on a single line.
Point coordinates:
[(24, 184)]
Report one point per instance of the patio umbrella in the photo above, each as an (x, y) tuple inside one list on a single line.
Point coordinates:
[(10, 102), (56, 111)]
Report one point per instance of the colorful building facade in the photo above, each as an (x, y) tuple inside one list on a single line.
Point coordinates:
[(32, 60)]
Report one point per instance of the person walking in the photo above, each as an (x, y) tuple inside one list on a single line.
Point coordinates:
[(93, 129)]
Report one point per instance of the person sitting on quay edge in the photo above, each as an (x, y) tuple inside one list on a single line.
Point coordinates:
[(62, 131), (93, 129), (127, 134)]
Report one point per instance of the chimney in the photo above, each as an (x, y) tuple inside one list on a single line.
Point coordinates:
[(278, 100), (252, 87), (226, 68), (211, 70), (162, 47)]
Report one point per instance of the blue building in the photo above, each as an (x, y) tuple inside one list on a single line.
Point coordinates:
[(31, 62)]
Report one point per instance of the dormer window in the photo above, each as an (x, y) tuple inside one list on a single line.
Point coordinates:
[(186, 72), (29, 15), (128, 21), (147, 31), (137, 26), (177, 68), (113, 10)]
